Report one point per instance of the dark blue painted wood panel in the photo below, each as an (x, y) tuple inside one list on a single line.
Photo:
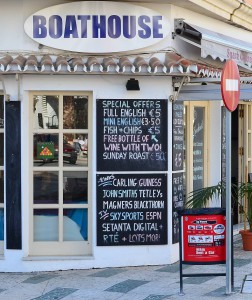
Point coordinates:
[(13, 175)]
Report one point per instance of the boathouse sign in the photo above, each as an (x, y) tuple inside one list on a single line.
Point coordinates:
[(97, 27)]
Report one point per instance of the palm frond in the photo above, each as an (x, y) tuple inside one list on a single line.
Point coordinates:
[(200, 198)]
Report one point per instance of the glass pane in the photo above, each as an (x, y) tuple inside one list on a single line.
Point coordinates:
[(75, 225), (1, 111), (46, 225), (75, 112), (45, 112), (1, 186), (1, 149), (45, 149), (75, 187), (45, 189), (75, 149), (198, 148)]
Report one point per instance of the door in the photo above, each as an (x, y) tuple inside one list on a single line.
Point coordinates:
[(196, 132), (244, 145), (60, 201)]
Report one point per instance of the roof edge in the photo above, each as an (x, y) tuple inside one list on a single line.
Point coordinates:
[(236, 12)]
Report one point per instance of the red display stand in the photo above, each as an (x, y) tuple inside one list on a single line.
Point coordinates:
[(202, 239)]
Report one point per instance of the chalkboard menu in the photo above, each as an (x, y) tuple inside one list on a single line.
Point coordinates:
[(177, 203), (131, 209), (131, 135), (198, 148), (177, 135)]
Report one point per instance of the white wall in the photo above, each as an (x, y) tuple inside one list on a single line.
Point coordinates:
[(102, 86), (16, 12)]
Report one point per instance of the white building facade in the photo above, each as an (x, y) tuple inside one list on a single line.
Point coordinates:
[(92, 170)]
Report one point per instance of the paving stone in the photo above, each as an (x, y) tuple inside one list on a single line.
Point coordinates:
[(247, 287), (172, 268), (126, 286), (196, 280), (156, 297), (56, 294), (39, 278), (220, 292), (107, 272), (238, 262)]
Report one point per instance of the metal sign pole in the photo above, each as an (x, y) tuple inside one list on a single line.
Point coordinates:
[(228, 202)]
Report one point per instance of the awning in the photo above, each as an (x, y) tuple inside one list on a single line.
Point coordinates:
[(210, 92), (215, 44)]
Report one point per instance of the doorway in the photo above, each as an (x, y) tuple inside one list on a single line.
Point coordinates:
[(235, 158), (241, 152)]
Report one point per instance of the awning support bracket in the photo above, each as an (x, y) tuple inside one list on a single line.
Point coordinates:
[(177, 88), (6, 96)]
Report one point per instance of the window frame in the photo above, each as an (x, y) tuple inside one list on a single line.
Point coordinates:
[(60, 248), (189, 119), (2, 169)]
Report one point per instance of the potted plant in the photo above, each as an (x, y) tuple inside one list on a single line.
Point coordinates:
[(242, 195)]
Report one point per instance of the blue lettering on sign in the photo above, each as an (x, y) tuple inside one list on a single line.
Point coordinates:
[(99, 26), (71, 27), (55, 26), (39, 27), (146, 32), (83, 20), (114, 26), (129, 27), (157, 26)]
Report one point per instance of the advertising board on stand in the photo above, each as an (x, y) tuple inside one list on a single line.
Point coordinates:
[(204, 238)]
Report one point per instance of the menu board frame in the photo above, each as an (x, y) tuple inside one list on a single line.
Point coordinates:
[(177, 203), (178, 136), (199, 147), (132, 135), (132, 209)]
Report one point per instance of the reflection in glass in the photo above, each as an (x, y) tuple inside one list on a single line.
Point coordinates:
[(46, 225), (198, 148), (1, 149), (45, 112), (69, 153), (75, 147), (1, 224), (75, 225), (1, 111), (75, 112), (45, 187), (1, 186), (45, 149), (75, 187)]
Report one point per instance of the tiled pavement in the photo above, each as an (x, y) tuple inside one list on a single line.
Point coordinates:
[(131, 283)]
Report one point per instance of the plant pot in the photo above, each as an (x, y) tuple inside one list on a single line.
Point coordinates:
[(246, 239)]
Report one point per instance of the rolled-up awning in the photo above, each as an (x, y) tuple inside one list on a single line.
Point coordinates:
[(215, 44)]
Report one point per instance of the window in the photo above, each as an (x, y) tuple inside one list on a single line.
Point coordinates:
[(196, 145), (1, 174), (60, 204)]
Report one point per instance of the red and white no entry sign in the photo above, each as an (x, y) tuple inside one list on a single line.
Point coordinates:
[(230, 85)]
